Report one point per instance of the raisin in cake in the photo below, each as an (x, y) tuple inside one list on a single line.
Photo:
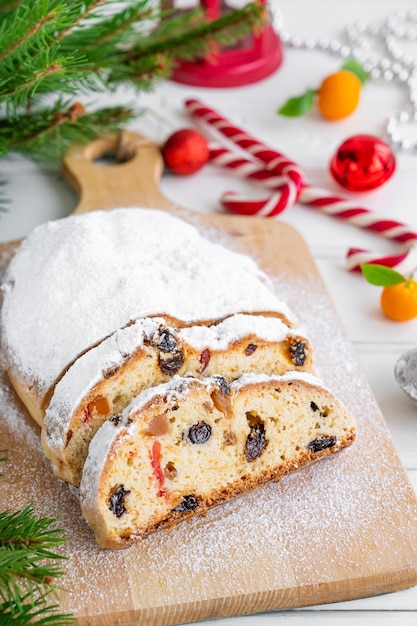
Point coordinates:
[(102, 381), (190, 444), (75, 281)]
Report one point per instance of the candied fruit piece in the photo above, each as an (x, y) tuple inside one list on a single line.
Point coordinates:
[(204, 359), (172, 365), (229, 438), (155, 457), (188, 503), (159, 425), (99, 405), (321, 443), (250, 349), (298, 352), (68, 438), (170, 470), (255, 442), (167, 342), (200, 432), (117, 501)]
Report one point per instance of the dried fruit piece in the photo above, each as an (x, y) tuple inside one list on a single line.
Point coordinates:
[(255, 442), (250, 349), (199, 433), (321, 443), (188, 503), (297, 352), (172, 365), (204, 359), (229, 438), (117, 501), (170, 470), (167, 342), (68, 438), (222, 384)]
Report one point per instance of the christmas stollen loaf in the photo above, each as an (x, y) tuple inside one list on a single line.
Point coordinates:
[(75, 281), (128, 325), (184, 446), (102, 381)]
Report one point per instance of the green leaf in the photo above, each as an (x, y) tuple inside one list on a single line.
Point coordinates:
[(356, 68), (299, 105), (381, 275)]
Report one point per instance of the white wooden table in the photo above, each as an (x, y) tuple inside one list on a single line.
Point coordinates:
[(39, 194)]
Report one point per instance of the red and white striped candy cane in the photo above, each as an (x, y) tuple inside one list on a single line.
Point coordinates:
[(290, 178), (352, 213), (271, 171), (284, 196)]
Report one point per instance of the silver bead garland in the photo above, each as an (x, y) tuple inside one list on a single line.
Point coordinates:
[(392, 65)]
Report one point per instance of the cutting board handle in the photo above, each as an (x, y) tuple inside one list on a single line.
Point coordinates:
[(132, 179)]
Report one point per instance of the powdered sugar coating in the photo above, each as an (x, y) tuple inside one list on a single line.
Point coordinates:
[(112, 267), (90, 368)]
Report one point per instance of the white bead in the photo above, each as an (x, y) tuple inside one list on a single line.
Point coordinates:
[(345, 51), (395, 137), (310, 44), (296, 42), (403, 116), (403, 75), (335, 46), (323, 44), (358, 54), (392, 124), (375, 73), (285, 36), (405, 144), (385, 63), (368, 66), (388, 75), (396, 68), (374, 30), (360, 27)]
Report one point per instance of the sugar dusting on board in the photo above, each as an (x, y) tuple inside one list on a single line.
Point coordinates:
[(306, 529)]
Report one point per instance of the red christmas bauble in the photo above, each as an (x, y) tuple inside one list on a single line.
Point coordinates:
[(362, 162), (185, 151)]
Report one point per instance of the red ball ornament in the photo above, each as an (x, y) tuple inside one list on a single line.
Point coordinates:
[(362, 162), (185, 151)]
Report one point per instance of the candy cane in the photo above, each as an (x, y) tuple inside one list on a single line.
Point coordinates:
[(291, 177), (276, 172)]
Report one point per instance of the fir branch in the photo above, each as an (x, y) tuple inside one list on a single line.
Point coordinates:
[(56, 47), (29, 567), (47, 133)]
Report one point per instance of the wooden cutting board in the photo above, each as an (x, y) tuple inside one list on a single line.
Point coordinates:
[(343, 528)]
